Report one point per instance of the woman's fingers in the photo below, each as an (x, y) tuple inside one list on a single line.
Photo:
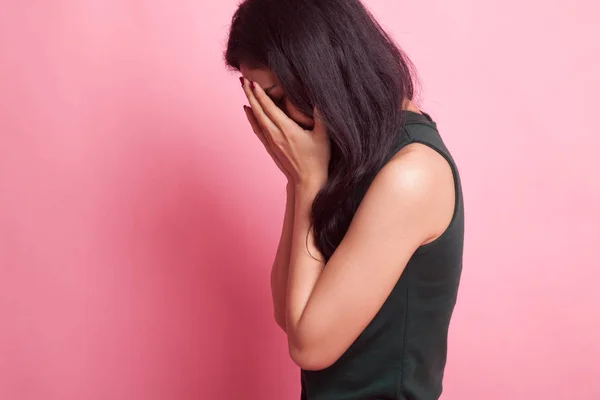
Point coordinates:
[(256, 127), (257, 130), (274, 113), (267, 125)]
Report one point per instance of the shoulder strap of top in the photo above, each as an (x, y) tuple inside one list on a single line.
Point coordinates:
[(421, 128), (411, 118)]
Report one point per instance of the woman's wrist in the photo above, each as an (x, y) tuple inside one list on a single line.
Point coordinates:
[(290, 187), (309, 187)]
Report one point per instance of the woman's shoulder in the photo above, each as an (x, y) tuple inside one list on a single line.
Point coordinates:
[(416, 167), (421, 175)]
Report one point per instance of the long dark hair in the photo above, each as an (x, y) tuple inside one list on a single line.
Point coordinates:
[(331, 54)]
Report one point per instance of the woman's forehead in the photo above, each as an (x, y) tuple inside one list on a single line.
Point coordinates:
[(263, 76)]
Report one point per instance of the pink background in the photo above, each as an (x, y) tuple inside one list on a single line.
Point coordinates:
[(139, 215)]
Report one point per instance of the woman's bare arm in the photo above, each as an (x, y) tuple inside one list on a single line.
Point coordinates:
[(279, 271), (410, 202)]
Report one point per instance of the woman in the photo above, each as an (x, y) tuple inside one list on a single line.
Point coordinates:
[(367, 269)]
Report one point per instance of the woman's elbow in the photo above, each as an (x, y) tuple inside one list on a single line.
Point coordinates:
[(310, 359)]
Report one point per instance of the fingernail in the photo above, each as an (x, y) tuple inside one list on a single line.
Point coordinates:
[(242, 80), (252, 85)]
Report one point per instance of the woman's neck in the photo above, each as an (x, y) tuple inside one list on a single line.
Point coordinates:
[(410, 106)]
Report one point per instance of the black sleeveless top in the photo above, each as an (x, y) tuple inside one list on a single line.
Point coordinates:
[(401, 354)]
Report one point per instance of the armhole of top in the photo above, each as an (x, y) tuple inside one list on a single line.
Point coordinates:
[(425, 247)]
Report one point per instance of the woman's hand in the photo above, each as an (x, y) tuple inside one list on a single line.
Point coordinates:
[(302, 155), (258, 131)]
